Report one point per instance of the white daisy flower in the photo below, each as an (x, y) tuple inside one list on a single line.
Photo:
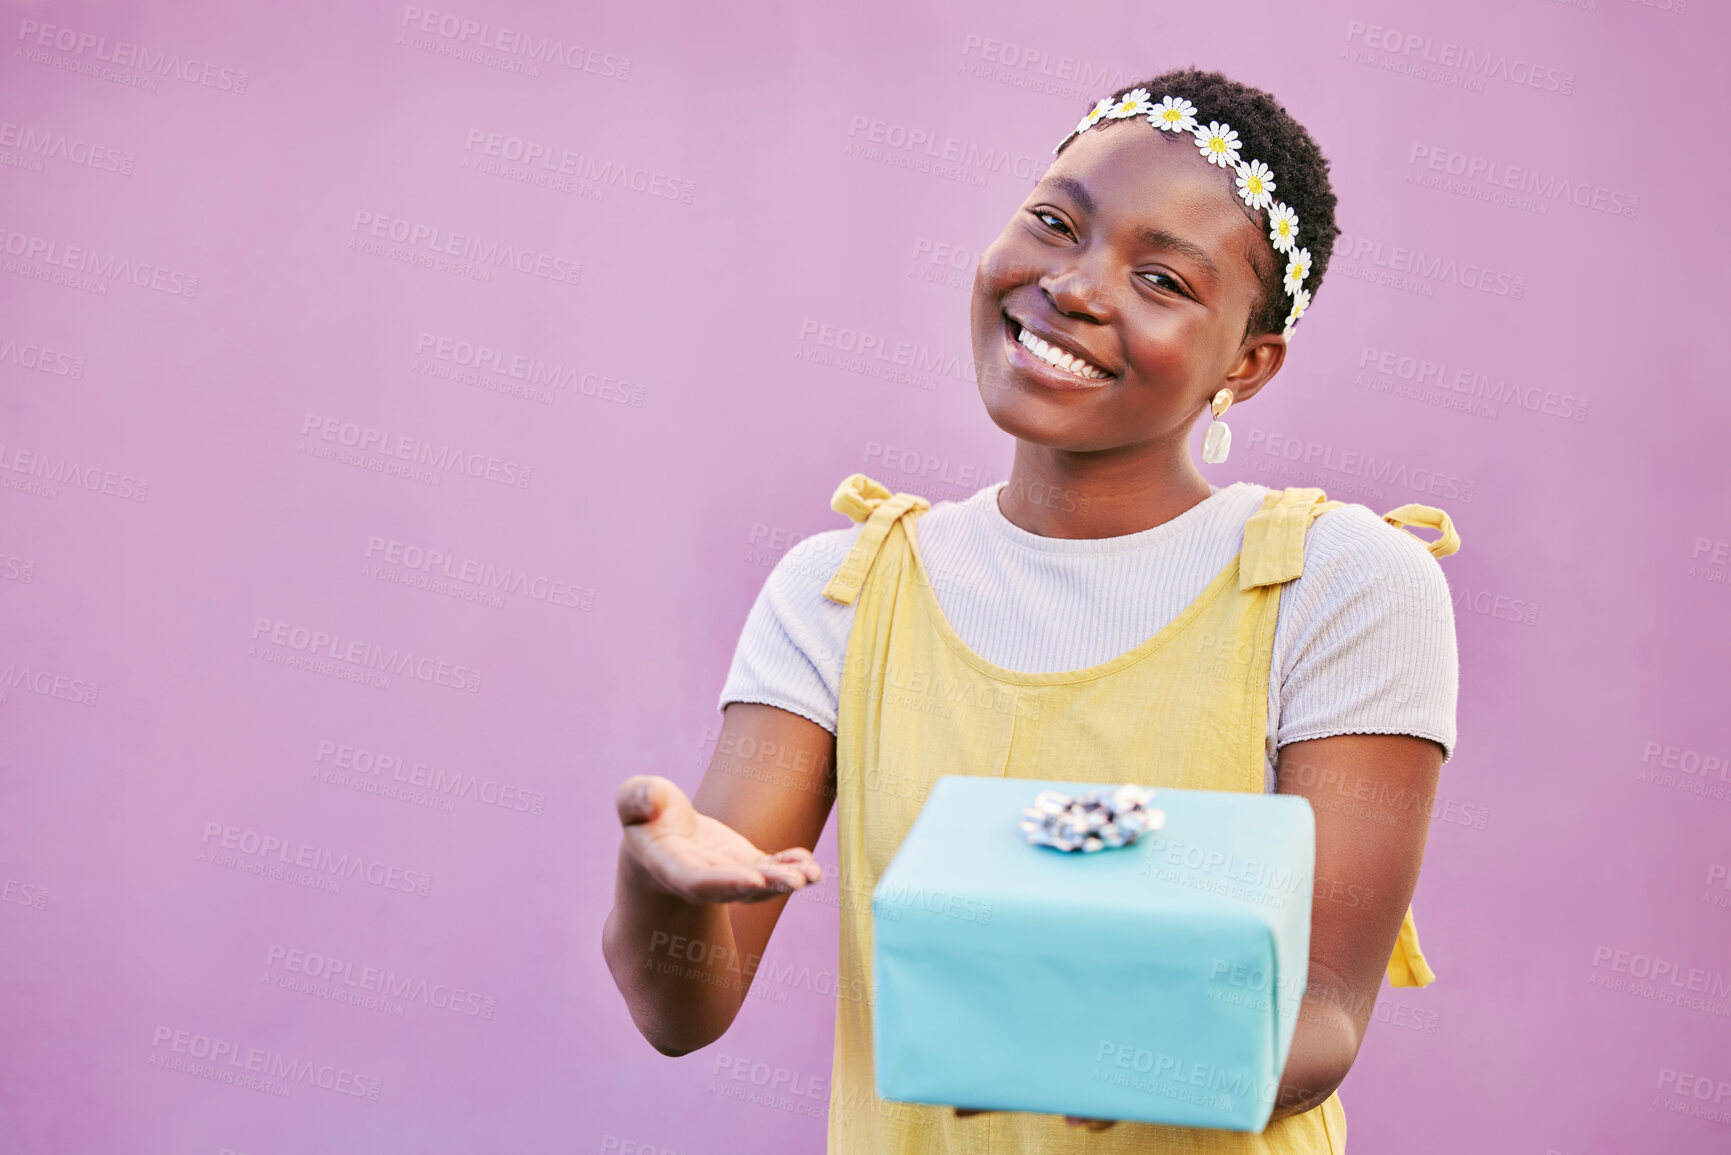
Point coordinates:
[(1219, 144), (1095, 114), (1256, 184), (1282, 227), (1300, 303), (1173, 114), (1132, 103), (1297, 269)]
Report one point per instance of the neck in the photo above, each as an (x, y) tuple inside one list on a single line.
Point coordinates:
[(1065, 494)]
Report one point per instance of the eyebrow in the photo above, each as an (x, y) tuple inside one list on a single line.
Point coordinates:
[(1158, 238), (1078, 190), (1161, 239)]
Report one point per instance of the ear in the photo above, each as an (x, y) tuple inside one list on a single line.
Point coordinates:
[(1258, 361)]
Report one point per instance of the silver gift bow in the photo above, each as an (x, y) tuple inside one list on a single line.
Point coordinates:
[(1092, 821)]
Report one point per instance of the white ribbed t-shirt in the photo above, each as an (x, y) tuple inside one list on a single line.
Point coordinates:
[(1364, 642)]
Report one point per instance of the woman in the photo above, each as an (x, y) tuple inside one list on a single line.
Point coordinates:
[(1104, 614)]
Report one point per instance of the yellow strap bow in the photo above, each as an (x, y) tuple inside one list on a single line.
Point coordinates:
[(858, 495), (1431, 518), (863, 499)]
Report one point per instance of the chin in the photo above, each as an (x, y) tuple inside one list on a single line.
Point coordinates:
[(1030, 417)]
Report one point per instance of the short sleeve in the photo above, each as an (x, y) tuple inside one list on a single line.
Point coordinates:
[(790, 650), (1366, 636)]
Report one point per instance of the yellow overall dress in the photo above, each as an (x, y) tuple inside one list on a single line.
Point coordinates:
[(1187, 708)]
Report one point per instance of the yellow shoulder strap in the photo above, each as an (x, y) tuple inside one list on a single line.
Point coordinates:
[(1274, 536), (1432, 518), (866, 500), (1407, 966), (1274, 553)]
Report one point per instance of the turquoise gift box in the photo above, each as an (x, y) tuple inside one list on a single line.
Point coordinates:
[(1157, 982)]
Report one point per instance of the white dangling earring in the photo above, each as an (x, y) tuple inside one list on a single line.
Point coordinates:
[(1218, 439)]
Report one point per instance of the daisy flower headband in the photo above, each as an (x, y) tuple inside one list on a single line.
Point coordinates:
[(1218, 144)]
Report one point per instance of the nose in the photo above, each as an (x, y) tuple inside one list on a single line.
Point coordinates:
[(1077, 291)]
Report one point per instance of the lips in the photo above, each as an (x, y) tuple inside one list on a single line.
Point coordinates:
[(1054, 354)]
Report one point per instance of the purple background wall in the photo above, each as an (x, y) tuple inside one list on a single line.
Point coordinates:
[(234, 242)]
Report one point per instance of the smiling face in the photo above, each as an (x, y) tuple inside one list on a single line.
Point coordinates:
[(1133, 255)]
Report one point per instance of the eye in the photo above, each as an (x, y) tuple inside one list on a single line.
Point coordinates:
[(1171, 285), (1052, 221)]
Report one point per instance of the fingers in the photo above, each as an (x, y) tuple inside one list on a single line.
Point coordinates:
[(1089, 1124), (785, 878), (696, 872), (1071, 1120), (805, 868), (641, 798), (728, 883)]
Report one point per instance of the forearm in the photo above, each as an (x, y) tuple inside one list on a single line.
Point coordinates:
[(1324, 1045), (674, 961)]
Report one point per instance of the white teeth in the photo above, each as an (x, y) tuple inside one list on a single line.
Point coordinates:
[(1058, 358)]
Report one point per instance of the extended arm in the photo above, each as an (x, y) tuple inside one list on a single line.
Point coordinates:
[(695, 899), (1372, 795)]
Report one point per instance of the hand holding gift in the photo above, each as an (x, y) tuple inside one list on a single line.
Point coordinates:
[(1097, 820), (1072, 1120), (1108, 962)]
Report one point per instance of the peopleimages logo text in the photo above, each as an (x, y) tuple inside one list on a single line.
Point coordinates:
[(940, 147), (1498, 174), (379, 980), (168, 1043), (516, 42), (448, 458), (1467, 60), (322, 859), (357, 652), (126, 54)]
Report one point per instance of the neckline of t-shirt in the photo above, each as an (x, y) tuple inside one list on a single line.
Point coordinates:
[(1216, 500)]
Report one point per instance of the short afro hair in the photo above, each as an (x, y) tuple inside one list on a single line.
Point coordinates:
[(1268, 133)]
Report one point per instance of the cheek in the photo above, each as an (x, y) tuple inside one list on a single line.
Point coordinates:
[(1004, 265), (1164, 356)]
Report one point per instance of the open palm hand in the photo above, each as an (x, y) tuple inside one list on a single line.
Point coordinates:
[(694, 857)]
